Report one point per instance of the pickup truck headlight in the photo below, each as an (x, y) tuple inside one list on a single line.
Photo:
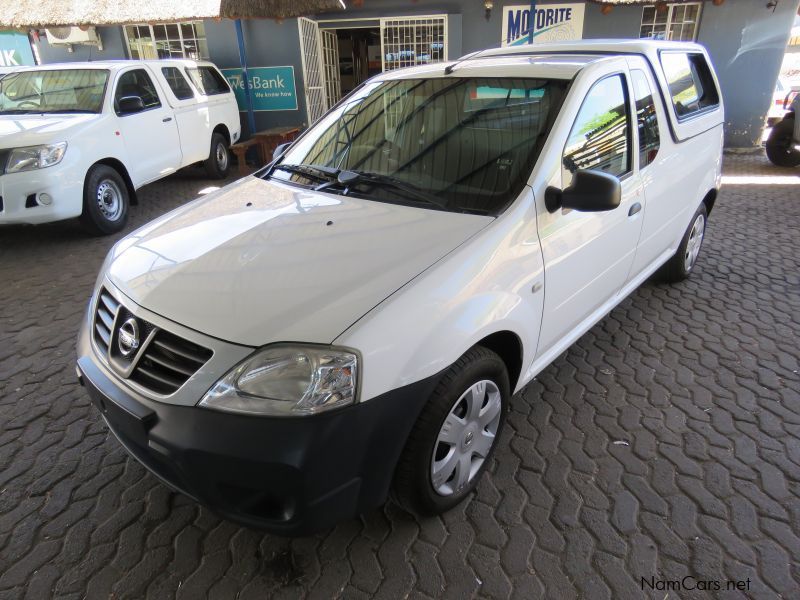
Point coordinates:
[(287, 380), (35, 157)]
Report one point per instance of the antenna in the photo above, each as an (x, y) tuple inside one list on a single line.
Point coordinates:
[(448, 70)]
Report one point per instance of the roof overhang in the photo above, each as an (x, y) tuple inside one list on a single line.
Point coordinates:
[(53, 13)]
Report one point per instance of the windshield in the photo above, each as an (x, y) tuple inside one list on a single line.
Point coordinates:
[(469, 144), (55, 91)]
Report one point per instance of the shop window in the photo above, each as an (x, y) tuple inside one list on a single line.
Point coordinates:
[(177, 83), (672, 21), (600, 137), (649, 137), (167, 40), (411, 41)]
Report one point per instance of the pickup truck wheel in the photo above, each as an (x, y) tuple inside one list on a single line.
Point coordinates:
[(105, 201), (456, 434), (218, 162), (780, 144), (680, 266)]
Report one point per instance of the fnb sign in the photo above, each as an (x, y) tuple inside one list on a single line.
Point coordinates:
[(552, 23)]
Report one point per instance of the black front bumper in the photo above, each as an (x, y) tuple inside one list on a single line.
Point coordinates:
[(293, 475)]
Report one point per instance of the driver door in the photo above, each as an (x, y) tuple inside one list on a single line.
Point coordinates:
[(150, 135)]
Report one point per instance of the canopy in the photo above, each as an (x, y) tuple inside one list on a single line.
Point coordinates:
[(50, 13)]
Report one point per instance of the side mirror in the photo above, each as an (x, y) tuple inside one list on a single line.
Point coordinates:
[(590, 191), (130, 104), (280, 149)]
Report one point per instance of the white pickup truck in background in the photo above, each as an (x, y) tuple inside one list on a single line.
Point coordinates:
[(79, 139)]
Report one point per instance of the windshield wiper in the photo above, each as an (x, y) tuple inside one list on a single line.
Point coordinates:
[(351, 178), (325, 174)]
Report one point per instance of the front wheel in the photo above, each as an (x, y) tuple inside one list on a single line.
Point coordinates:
[(456, 434), (218, 163), (680, 266), (105, 201), (781, 149)]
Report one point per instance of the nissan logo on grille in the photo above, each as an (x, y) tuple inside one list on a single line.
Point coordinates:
[(128, 337)]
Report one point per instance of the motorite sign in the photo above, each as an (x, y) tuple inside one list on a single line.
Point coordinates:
[(552, 23)]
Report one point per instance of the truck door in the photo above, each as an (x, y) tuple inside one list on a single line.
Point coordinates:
[(150, 133), (588, 255)]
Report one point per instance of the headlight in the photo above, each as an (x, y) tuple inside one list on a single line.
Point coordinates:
[(35, 157), (288, 380)]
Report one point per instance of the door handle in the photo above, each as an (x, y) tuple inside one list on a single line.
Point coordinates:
[(637, 206), (166, 119)]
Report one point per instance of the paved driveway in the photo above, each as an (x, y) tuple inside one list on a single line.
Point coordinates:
[(665, 443)]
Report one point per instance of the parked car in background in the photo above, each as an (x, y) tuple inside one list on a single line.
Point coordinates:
[(785, 92), (78, 139), (783, 143), (357, 315)]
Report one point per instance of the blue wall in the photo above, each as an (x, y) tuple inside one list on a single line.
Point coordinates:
[(745, 39)]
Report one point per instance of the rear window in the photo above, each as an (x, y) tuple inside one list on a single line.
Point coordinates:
[(691, 85), (646, 118), (177, 83), (208, 80)]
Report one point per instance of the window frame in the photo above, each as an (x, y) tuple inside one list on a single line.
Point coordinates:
[(150, 26), (192, 89), (626, 92), (150, 76), (635, 108), (669, 23), (707, 82)]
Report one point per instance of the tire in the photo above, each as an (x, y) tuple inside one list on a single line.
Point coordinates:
[(424, 481), (105, 201), (682, 263), (218, 163), (780, 146)]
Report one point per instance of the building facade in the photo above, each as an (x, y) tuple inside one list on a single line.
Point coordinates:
[(298, 67)]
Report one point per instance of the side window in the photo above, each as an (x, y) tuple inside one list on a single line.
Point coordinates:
[(691, 85), (649, 138), (177, 83), (137, 83), (208, 80), (600, 137)]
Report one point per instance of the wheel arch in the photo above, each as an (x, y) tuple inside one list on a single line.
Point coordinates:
[(508, 346), (222, 129), (119, 167), (710, 199)]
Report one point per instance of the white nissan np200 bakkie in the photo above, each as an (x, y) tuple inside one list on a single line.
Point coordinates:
[(355, 317)]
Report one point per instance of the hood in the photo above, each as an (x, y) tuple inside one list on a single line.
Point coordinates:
[(260, 262), (29, 130)]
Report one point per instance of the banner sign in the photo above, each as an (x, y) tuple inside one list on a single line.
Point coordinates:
[(553, 23), (15, 49), (272, 87)]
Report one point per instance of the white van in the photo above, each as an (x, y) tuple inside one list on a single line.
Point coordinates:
[(79, 139), (357, 315)]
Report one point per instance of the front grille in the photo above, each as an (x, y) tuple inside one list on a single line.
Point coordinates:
[(163, 363), (167, 362), (104, 320)]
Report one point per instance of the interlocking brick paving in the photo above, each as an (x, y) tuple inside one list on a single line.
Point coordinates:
[(700, 381)]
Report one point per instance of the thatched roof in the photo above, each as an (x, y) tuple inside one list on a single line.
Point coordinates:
[(48, 13)]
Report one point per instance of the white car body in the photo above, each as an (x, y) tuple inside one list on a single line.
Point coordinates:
[(143, 147), (412, 289)]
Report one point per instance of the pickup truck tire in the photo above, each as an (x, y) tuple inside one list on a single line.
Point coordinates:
[(680, 266), (105, 201), (780, 146), (218, 163), (456, 434)]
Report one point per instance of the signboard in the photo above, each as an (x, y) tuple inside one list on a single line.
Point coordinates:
[(15, 49), (553, 23), (272, 87)]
